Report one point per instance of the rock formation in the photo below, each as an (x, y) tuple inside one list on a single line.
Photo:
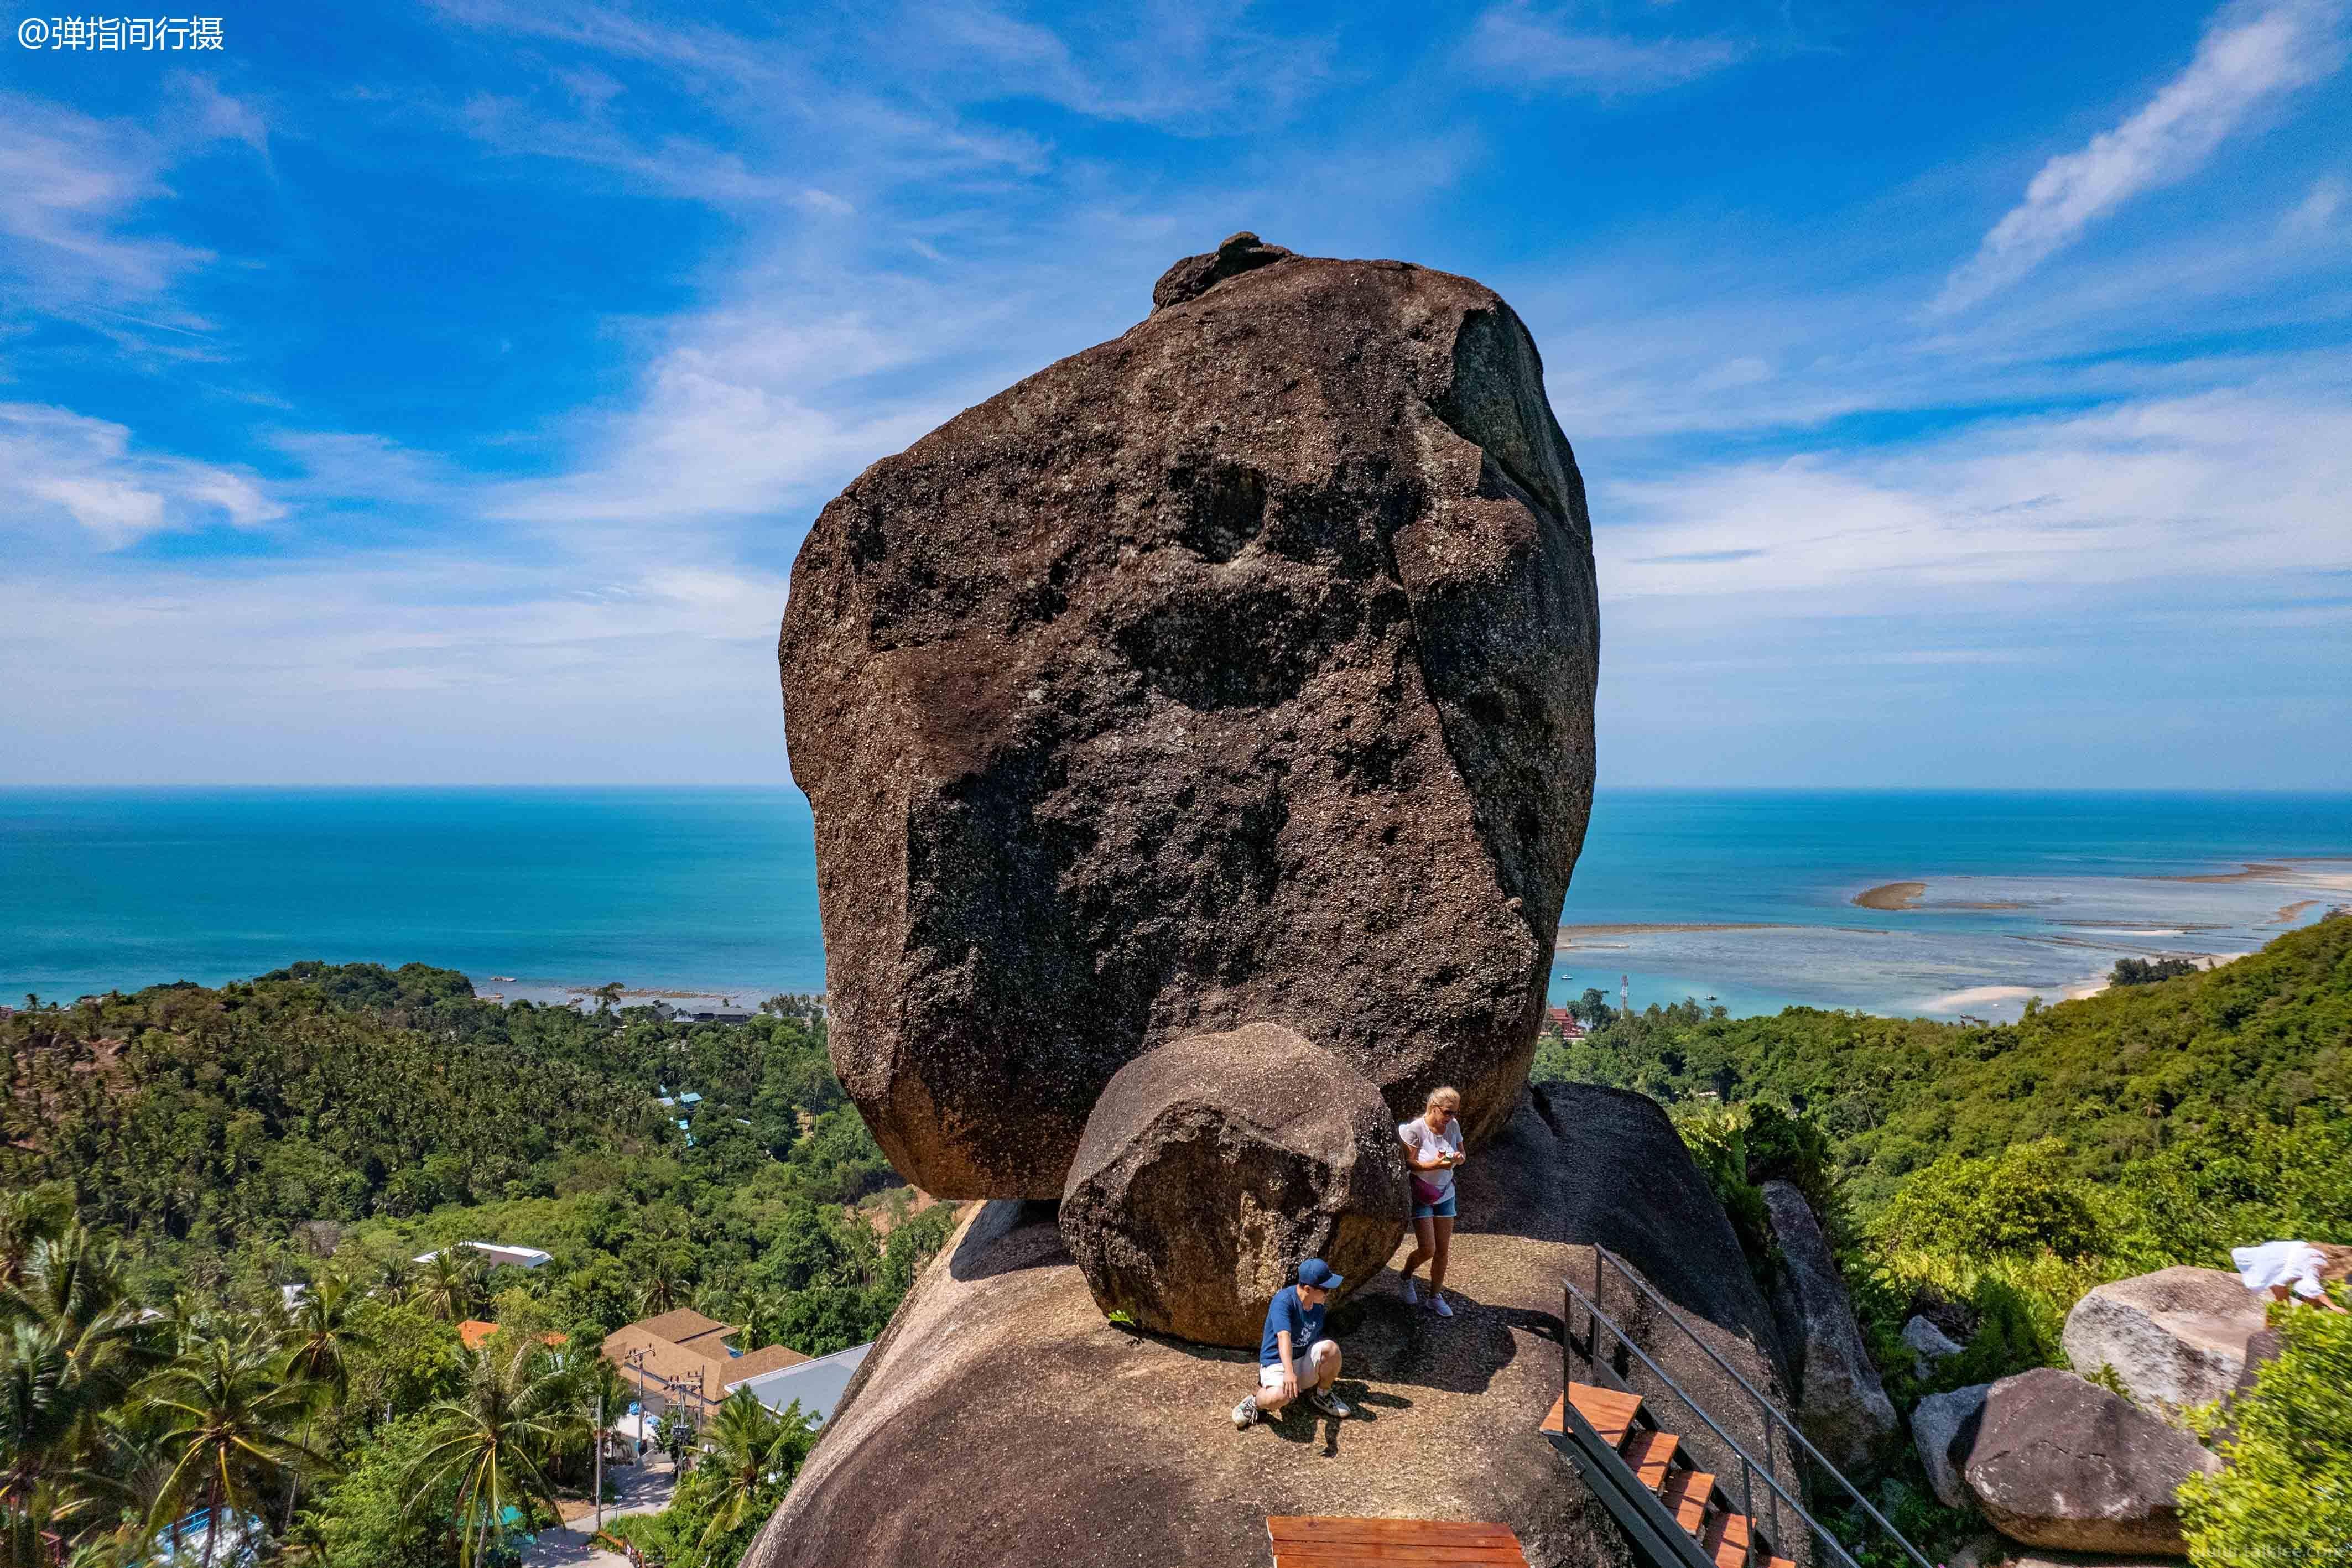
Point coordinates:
[(1841, 1406), (1944, 1429), (1930, 1345), (1213, 1166), (2062, 1463), (1001, 1420), (2174, 1338), (1238, 670)]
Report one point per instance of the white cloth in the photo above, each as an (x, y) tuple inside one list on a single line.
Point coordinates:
[(1425, 1145), (2295, 1263), (1307, 1366)]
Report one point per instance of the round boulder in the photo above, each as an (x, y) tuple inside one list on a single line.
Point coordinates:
[(1213, 1166), (2062, 1463), (2174, 1338)]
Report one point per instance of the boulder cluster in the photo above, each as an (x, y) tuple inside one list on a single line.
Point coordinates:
[(1200, 737), (2057, 1461)]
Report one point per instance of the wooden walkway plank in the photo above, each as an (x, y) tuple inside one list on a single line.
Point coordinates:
[(1309, 1542), (1309, 1527), (1351, 1553)]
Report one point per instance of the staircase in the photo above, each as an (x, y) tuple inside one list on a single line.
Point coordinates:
[(1656, 1463), (1674, 1513)]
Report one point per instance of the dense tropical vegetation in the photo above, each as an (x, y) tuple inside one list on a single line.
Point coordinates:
[(1987, 1175), (175, 1160)]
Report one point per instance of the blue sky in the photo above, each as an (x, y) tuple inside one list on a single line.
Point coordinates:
[(440, 394)]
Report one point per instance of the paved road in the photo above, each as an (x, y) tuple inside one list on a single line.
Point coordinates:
[(643, 1488)]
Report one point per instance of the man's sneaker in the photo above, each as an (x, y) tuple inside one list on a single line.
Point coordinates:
[(1245, 1414), (1437, 1304), (1330, 1404), (1412, 1295)]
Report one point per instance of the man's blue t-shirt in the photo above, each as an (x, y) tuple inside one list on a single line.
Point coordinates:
[(1305, 1323)]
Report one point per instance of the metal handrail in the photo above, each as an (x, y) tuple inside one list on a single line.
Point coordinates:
[(1765, 1408)]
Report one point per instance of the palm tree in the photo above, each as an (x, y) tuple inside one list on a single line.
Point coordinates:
[(753, 1451), (494, 1441), (318, 1343), (664, 1285), (450, 1284), (227, 1407), (389, 1279), (72, 1349), (27, 1217)]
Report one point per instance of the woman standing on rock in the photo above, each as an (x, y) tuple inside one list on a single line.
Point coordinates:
[(1432, 1147)]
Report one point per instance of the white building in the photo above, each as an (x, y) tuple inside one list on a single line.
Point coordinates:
[(494, 1254), (817, 1384)]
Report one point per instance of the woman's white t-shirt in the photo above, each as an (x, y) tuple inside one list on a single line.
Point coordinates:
[(2295, 1263), (1425, 1144)]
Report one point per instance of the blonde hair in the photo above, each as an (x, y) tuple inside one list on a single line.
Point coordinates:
[(2336, 1262), (1452, 1096)]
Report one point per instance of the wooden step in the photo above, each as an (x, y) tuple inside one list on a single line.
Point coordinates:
[(1652, 1455), (1726, 1540), (1611, 1414), (1687, 1497)]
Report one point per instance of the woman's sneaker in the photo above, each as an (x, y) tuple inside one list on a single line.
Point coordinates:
[(1412, 1294), (1330, 1404), (1437, 1304), (1245, 1414)]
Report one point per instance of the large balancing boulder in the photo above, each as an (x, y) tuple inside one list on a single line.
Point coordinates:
[(1842, 1407), (1239, 669), (2174, 1338), (2059, 1461), (1213, 1166)]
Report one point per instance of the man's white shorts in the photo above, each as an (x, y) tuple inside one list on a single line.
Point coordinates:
[(1270, 1376)]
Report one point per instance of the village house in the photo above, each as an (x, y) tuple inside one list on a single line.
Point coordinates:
[(682, 1358)]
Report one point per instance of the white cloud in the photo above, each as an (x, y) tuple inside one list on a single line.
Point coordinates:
[(54, 461), (2251, 55), (2316, 212), (72, 183), (1518, 44), (2244, 485)]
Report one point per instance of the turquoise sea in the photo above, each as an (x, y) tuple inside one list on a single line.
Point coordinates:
[(711, 892)]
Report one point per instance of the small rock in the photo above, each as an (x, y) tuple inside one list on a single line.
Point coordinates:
[(1194, 275), (2060, 1461), (1213, 1166), (1842, 1409), (1937, 1424), (2174, 1338), (1929, 1344)]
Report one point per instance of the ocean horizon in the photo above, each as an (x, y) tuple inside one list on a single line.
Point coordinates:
[(1742, 898)]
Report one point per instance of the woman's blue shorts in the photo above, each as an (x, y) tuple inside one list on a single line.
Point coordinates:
[(1440, 1211)]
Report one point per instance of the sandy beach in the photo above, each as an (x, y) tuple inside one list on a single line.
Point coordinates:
[(1891, 896)]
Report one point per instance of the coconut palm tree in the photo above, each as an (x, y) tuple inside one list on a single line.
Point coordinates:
[(228, 1408), (389, 1279), (72, 1347), (318, 1343), (754, 1451), (450, 1284), (494, 1441), (665, 1286), (28, 1217)]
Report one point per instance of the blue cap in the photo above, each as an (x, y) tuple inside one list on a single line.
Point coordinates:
[(1318, 1273)]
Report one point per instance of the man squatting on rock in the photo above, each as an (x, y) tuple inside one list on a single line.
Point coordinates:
[(1293, 1351)]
